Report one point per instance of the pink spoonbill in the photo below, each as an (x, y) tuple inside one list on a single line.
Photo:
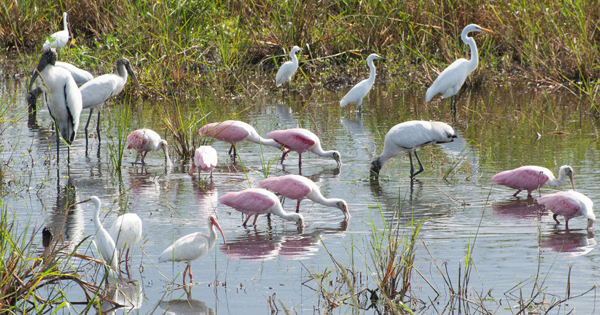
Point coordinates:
[(570, 204), (192, 246), (532, 177), (205, 159), (409, 136), (234, 131), (298, 187), (256, 201), (301, 140), (146, 140)]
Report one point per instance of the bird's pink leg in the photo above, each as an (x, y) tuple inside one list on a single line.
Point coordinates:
[(284, 154), (190, 272), (211, 173), (255, 217), (247, 218), (518, 191), (184, 272), (567, 224), (298, 206), (144, 156), (192, 169), (529, 193), (299, 159)]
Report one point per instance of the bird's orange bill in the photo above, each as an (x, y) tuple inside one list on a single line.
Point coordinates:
[(215, 223), (487, 30)]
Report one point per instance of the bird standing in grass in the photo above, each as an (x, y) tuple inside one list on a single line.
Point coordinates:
[(59, 39), (287, 69), (570, 204), (531, 177), (360, 90), (146, 140)]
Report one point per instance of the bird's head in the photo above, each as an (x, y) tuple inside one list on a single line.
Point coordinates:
[(165, 147), (48, 58), (299, 219), (124, 63), (344, 207), (475, 28), (212, 221), (566, 171), (374, 57), (375, 168), (337, 157), (294, 50)]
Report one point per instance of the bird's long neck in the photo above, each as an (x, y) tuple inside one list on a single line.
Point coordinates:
[(555, 182), (97, 223), (65, 24), (319, 151), (278, 210), (294, 58), (212, 237), (372, 74), (163, 145), (328, 202), (474, 55), (122, 71), (269, 142)]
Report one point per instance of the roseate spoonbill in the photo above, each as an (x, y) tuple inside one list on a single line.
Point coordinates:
[(79, 75), (452, 78), (104, 242), (126, 231), (59, 39), (234, 131), (409, 136), (570, 204), (192, 246), (532, 177), (256, 201), (98, 90), (205, 159), (299, 187), (287, 70), (360, 90), (146, 140), (65, 99), (301, 140)]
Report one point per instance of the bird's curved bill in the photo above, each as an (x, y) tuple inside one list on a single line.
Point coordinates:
[(215, 223)]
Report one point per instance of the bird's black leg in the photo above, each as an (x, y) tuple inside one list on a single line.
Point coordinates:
[(86, 129), (554, 216), (412, 170), (420, 165), (453, 106), (98, 126)]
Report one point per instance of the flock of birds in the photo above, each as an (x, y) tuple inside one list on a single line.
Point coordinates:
[(65, 100)]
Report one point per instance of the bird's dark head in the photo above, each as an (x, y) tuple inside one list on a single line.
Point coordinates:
[(337, 157), (375, 168), (123, 64), (48, 58)]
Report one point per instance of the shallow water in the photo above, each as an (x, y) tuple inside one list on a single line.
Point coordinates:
[(513, 240)]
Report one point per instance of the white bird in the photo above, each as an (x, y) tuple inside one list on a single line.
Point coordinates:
[(192, 246), (98, 90), (126, 231), (287, 70), (409, 136), (205, 159), (79, 75), (146, 140), (452, 78), (359, 91), (58, 40), (64, 104)]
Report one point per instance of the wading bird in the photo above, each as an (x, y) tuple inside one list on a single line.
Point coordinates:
[(257, 201), (205, 159), (126, 231), (79, 75), (299, 187), (287, 69), (146, 140), (409, 136), (234, 131), (452, 78), (192, 246), (301, 140), (64, 103), (58, 40), (359, 91), (532, 177), (570, 204), (98, 90)]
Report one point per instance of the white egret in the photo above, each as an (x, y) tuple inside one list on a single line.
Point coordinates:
[(287, 70), (64, 104), (359, 91), (192, 246), (126, 231), (409, 136), (146, 140), (98, 90), (58, 40), (452, 78)]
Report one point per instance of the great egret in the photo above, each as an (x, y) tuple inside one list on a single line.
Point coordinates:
[(234, 131), (205, 159), (570, 204), (302, 140), (58, 40), (299, 187), (452, 78), (532, 177), (287, 70), (146, 140), (359, 91), (409, 136), (64, 104), (126, 231), (257, 201)]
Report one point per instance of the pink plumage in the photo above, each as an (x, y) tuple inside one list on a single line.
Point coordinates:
[(301, 140), (257, 201), (532, 177), (205, 159), (146, 140), (234, 131), (569, 204)]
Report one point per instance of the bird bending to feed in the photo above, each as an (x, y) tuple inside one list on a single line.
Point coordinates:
[(570, 204), (234, 131), (533, 177), (146, 140), (301, 140), (452, 78), (64, 104), (126, 231), (192, 246), (98, 90), (409, 136), (359, 91), (299, 187), (205, 159), (287, 70), (58, 40), (256, 201)]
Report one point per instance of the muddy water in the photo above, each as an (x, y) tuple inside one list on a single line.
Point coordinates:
[(514, 240)]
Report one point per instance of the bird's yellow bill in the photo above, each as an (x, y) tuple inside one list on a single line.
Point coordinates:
[(487, 30)]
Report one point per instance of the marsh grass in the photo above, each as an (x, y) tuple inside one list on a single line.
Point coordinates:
[(117, 145)]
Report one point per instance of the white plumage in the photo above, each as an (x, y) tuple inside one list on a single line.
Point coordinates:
[(58, 40), (359, 91), (126, 231), (103, 240), (287, 70), (79, 75)]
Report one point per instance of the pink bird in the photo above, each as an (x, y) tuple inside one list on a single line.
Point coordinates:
[(301, 140), (570, 204), (299, 187), (256, 201), (146, 140), (234, 131), (205, 159), (532, 177)]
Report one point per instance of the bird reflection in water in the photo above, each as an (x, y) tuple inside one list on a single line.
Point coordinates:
[(186, 306), (65, 224), (568, 241), (205, 195), (126, 296), (520, 209)]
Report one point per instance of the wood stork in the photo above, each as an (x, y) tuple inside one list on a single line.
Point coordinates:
[(79, 75), (58, 40), (360, 90)]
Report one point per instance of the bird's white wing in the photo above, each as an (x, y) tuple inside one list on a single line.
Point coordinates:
[(97, 91)]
